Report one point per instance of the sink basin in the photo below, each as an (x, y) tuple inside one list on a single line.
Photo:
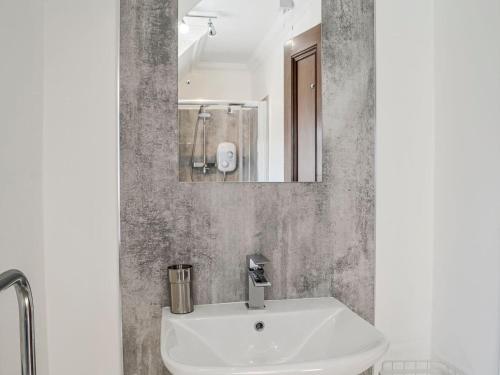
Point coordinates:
[(290, 337)]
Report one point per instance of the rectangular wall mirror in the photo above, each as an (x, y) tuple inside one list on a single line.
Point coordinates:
[(250, 91)]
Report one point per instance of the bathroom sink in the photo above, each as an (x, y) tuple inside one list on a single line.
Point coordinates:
[(290, 337)]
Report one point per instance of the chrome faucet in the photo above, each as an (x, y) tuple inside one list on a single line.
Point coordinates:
[(257, 281)]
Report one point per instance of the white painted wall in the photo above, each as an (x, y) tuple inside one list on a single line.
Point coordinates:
[(223, 82), (21, 116), (80, 187), (447, 219), (404, 170), (268, 74), (466, 309)]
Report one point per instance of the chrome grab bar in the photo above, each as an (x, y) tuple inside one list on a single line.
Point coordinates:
[(26, 317)]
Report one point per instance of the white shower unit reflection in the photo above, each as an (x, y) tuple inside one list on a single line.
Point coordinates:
[(223, 141)]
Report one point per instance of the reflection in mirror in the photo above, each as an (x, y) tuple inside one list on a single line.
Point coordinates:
[(250, 90)]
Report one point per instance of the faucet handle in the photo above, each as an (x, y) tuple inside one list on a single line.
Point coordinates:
[(256, 261)]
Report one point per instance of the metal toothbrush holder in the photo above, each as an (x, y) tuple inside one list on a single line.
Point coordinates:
[(179, 277)]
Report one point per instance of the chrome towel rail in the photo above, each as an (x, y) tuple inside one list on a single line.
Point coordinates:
[(26, 317)]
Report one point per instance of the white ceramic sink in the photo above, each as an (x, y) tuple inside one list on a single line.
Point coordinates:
[(303, 336)]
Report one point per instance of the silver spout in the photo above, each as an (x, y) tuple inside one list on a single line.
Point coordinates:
[(258, 278), (257, 281)]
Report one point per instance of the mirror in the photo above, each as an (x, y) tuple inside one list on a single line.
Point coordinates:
[(250, 91)]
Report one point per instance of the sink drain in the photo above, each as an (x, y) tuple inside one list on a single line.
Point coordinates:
[(259, 326)]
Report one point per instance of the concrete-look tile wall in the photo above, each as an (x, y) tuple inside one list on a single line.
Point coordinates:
[(320, 237)]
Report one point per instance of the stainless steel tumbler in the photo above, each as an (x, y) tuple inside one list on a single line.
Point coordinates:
[(179, 277)]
